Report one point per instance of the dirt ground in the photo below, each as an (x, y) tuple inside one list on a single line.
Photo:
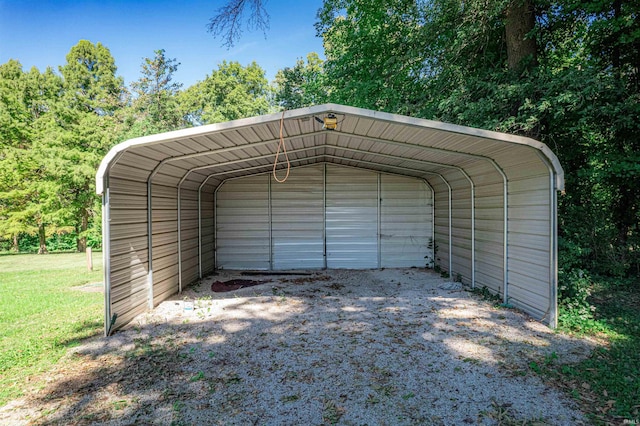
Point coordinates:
[(377, 347)]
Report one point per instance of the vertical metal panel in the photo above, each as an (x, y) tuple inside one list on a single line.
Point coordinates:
[(441, 227), (529, 246), (190, 234), (206, 228), (406, 221), (297, 219), (106, 257), (489, 226), (242, 229), (352, 216), (324, 215), (207, 263), (164, 251), (128, 251), (461, 222)]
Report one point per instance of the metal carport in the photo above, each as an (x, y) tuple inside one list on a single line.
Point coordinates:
[(493, 205)]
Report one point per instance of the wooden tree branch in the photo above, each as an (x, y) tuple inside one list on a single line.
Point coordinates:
[(227, 22)]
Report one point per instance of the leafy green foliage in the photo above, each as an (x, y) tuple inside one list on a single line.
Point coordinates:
[(231, 92), (374, 53), (155, 108), (301, 85)]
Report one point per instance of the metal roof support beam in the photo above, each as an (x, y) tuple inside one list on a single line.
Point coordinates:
[(379, 218), (413, 145), (269, 213), (231, 149), (552, 311), (179, 239), (433, 210), (150, 243), (106, 255)]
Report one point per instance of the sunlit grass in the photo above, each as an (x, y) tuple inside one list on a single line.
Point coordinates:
[(42, 315)]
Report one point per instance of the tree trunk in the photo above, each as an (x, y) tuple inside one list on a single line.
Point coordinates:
[(84, 224), (14, 244), (521, 47), (43, 240)]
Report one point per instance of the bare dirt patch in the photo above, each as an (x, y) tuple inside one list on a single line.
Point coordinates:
[(380, 347)]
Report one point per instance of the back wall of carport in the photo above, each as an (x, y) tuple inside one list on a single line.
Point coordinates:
[(486, 200)]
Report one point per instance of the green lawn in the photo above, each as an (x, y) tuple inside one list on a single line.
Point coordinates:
[(42, 315)]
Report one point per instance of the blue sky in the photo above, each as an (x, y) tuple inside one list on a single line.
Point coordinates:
[(41, 33)]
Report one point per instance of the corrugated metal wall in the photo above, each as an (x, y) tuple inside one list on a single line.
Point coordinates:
[(189, 235), (128, 254), (406, 224), (303, 209), (165, 242), (242, 224), (440, 241), (297, 219), (529, 237), (352, 218), (207, 229), (489, 211)]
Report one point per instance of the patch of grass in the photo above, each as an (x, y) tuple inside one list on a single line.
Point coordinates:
[(608, 382), (503, 415), (331, 412), (197, 377), (42, 315), (290, 398), (487, 295)]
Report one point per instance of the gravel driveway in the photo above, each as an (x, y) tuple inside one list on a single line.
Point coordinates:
[(376, 347)]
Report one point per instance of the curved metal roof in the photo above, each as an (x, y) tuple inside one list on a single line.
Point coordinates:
[(363, 138)]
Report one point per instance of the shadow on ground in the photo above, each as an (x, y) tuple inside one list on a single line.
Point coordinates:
[(342, 347)]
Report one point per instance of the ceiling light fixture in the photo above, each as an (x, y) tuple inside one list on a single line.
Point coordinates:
[(330, 122)]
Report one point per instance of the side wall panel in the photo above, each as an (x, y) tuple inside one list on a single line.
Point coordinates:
[(489, 210), (440, 240), (165, 241), (529, 234), (297, 219), (128, 247), (207, 209), (406, 222), (352, 218), (242, 215), (189, 235)]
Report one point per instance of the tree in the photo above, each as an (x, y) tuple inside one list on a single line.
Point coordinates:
[(375, 53), (229, 93), (301, 85), (155, 107), (83, 129), (227, 21), (90, 79), (30, 199), (14, 138)]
